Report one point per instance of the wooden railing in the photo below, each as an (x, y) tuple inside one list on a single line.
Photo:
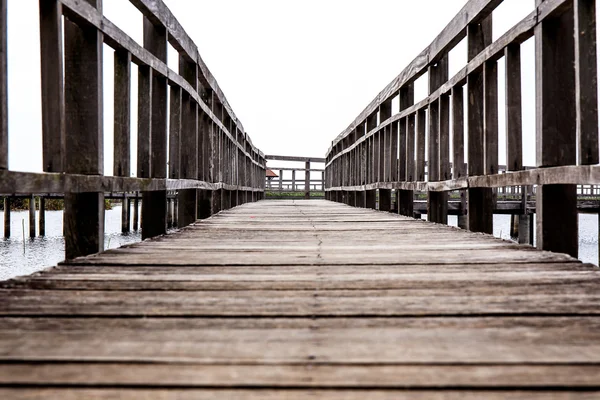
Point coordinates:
[(306, 183), (362, 158), (204, 155)]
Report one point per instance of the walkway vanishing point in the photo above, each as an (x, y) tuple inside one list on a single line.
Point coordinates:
[(323, 299), (306, 299)]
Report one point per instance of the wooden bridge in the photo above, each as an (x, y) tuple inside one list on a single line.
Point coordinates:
[(256, 299)]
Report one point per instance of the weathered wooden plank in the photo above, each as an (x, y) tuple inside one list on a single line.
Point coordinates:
[(193, 375), (290, 394)]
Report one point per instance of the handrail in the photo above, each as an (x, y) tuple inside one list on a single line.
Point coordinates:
[(306, 184), (362, 161), (210, 160)]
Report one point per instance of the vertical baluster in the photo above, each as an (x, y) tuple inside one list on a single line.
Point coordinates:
[(7, 217), (31, 216), (307, 180), (187, 198), (420, 158), (53, 101), (437, 202), (480, 200), (587, 81), (556, 131), (407, 151), (83, 90), (42, 216), (385, 155), (154, 204)]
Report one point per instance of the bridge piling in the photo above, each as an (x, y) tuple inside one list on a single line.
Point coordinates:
[(7, 211), (42, 216), (31, 217)]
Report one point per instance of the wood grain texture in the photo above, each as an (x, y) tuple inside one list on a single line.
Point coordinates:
[(297, 299)]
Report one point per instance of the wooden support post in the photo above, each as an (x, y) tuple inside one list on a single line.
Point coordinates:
[(556, 136), (514, 124), (408, 138), (420, 147), (217, 201), (480, 200), (3, 85), (385, 200), (293, 180), (169, 213), (307, 181), (361, 199), (42, 217), (406, 202), (52, 80), (514, 225), (136, 212), (122, 115), (7, 217), (371, 199), (188, 198), (280, 186), (31, 216), (83, 91), (154, 204), (124, 215), (437, 202), (586, 69), (526, 224)]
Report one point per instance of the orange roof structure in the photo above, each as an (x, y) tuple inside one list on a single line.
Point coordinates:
[(271, 174)]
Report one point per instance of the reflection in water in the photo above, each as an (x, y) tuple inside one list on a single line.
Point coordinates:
[(588, 233), (43, 252)]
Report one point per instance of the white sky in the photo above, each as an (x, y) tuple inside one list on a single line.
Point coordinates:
[(296, 72)]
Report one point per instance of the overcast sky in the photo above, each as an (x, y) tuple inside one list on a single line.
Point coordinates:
[(296, 72)]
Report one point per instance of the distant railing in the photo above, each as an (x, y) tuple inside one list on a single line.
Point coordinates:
[(278, 185), (362, 158), (204, 155)]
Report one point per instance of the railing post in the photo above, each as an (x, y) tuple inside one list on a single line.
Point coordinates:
[(52, 80), (31, 216), (154, 204), (7, 217), (136, 212), (407, 170), (188, 155), (124, 215), (204, 153), (437, 202), (307, 181), (42, 217), (385, 155), (83, 91), (557, 220), (480, 200)]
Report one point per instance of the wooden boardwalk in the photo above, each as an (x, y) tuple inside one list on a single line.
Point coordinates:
[(306, 299)]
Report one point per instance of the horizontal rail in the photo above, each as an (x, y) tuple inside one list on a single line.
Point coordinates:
[(381, 151), (292, 158), (189, 140)]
